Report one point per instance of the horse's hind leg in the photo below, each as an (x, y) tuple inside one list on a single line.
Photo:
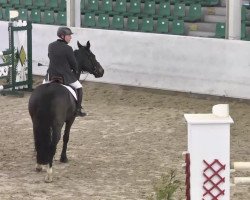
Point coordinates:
[(56, 135), (49, 177), (68, 125)]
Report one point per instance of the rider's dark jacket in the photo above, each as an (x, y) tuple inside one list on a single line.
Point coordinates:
[(62, 61)]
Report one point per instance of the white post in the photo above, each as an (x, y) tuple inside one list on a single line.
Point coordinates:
[(70, 9), (73, 13), (77, 13), (209, 153), (234, 19)]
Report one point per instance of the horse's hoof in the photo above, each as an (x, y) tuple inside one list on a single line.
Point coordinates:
[(39, 168), (48, 179), (64, 160)]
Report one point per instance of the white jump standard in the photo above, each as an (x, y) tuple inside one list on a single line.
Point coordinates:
[(208, 155)]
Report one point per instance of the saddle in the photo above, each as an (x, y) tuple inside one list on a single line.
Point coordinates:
[(59, 79)]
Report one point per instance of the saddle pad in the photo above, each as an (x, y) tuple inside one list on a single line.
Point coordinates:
[(71, 91), (68, 87)]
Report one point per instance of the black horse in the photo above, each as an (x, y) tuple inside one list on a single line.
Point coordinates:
[(51, 105)]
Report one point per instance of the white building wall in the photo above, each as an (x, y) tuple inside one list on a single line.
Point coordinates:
[(179, 63)]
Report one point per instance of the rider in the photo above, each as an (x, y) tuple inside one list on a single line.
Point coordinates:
[(63, 63)]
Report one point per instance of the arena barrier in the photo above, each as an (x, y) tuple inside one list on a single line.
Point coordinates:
[(207, 160), (16, 67)]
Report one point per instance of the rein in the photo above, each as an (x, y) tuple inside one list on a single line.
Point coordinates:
[(87, 73)]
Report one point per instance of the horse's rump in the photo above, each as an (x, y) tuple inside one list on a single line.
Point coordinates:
[(50, 105)]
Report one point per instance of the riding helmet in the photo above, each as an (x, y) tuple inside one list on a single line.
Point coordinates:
[(62, 31)]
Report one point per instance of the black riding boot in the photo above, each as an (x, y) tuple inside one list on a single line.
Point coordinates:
[(79, 111)]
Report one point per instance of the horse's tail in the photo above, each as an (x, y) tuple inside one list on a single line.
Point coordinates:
[(42, 137)]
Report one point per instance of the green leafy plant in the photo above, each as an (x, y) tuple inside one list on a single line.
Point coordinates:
[(165, 187)]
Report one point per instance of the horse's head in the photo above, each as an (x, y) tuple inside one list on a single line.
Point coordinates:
[(87, 60)]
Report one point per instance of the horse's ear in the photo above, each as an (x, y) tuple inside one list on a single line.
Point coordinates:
[(78, 44), (88, 45)]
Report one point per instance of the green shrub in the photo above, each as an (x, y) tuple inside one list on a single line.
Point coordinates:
[(165, 187)]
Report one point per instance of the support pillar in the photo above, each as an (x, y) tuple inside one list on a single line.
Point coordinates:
[(73, 13), (233, 23)]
